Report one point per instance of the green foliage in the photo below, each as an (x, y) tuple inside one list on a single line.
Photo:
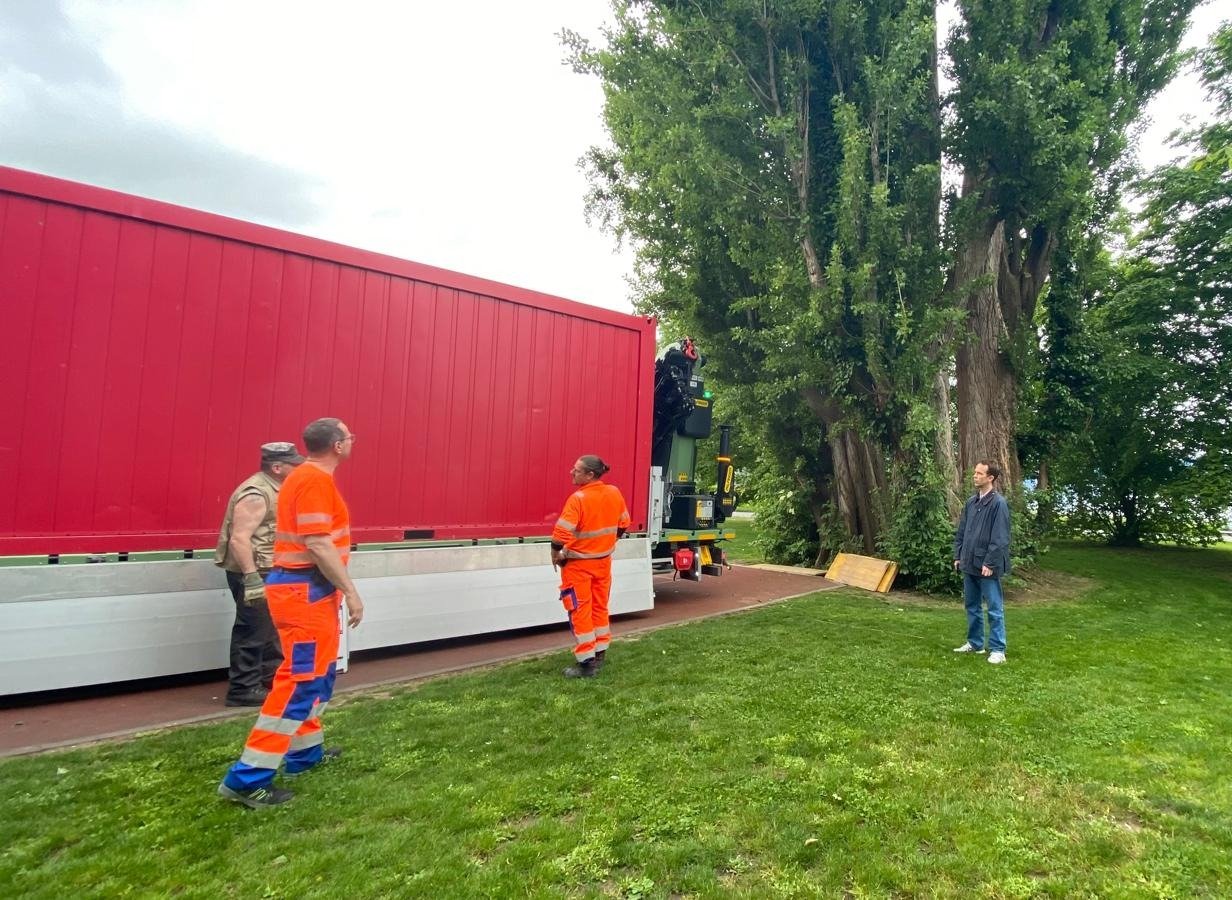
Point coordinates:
[(921, 537), (1152, 460), (1030, 524), (787, 533)]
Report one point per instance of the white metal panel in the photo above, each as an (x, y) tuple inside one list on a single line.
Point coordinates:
[(67, 626)]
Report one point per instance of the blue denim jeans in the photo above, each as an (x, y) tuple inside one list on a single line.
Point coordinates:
[(976, 590)]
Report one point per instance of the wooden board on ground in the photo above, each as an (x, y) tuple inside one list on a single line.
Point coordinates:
[(789, 570), (863, 572)]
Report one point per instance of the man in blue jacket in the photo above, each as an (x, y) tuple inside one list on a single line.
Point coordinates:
[(982, 554)]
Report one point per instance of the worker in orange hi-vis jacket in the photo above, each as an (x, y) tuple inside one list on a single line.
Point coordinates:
[(304, 590), (583, 541)]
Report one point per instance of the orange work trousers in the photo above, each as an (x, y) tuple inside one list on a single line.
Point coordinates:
[(585, 585), (304, 607)]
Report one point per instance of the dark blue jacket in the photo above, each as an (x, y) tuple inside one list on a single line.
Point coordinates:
[(983, 535)]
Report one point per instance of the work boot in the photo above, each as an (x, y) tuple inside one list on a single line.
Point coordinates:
[(248, 698), (584, 669), (329, 754), (599, 655), (257, 798)]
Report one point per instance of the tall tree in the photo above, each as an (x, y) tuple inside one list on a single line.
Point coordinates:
[(1045, 91), (1139, 380), (780, 169)]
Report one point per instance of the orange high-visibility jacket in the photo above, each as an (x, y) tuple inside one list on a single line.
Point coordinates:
[(591, 521), (309, 504)]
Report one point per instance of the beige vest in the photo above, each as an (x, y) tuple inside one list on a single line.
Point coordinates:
[(259, 485)]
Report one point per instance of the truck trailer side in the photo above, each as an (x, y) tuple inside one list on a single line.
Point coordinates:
[(153, 348)]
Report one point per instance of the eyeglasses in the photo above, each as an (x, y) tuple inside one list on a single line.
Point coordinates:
[(349, 437)]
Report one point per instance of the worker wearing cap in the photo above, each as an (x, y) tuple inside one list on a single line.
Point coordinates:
[(583, 541), (309, 581), (246, 553)]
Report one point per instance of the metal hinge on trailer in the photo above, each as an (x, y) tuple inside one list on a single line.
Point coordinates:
[(657, 512)]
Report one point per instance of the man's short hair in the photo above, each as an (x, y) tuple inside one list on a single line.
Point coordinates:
[(322, 434), (594, 465), (992, 467)]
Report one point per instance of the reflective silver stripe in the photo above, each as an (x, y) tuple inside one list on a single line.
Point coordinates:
[(278, 725), (301, 540), (314, 518), (585, 638), (574, 554), (567, 525), (260, 759), (304, 741), (320, 709), (582, 657), (593, 534), (603, 632)]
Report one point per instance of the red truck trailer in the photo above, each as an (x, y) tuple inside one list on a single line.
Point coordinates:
[(151, 349)]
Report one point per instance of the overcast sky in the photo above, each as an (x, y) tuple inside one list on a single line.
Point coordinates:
[(446, 133)]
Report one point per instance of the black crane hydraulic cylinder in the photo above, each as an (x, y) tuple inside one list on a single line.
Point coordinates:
[(725, 491)]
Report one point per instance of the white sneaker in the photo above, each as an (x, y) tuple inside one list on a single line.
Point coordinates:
[(967, 648), (996, 658)]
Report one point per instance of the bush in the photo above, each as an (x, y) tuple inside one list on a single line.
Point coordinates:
[(920, 537)]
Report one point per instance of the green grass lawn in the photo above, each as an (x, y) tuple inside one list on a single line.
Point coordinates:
[(743, 548), (830, 746)]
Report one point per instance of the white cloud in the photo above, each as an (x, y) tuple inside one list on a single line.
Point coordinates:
[(443, 133), (62, 113)]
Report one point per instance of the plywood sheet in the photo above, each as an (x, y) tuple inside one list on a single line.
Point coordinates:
[(866, 572)]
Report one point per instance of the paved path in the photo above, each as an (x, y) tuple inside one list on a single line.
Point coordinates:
[(32, 723)]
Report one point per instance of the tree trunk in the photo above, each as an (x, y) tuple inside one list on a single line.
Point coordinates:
[(987, 392), (858, 490), (1127, 532), (947, 463), (858, 485)]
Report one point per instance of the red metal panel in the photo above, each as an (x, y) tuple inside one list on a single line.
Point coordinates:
[(160, 382), (21, 241), (227, 444), (41, 425), (371, 317), (165, 345), (87, 368), (196, 347), (126, 342), (394, 401)]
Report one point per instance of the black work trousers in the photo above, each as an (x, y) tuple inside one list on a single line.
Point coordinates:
[(255, 649)]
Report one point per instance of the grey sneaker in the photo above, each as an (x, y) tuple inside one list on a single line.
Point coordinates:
[(996, 658), (257, 798), (967, 648)]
